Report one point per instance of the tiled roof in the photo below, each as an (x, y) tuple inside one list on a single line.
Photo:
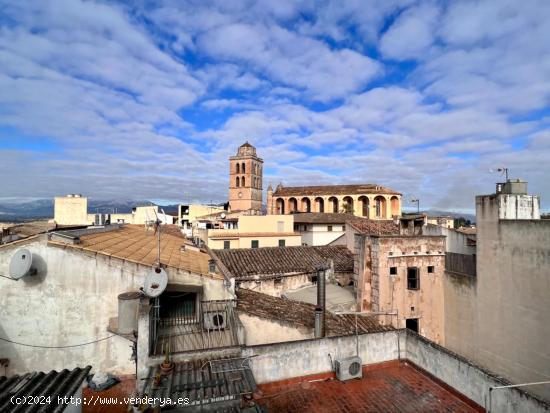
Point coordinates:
[(246, 262), (133, 243), (375, 227), (322, 218), (171, 229), (52, 384), (303, 314), (333, 190)]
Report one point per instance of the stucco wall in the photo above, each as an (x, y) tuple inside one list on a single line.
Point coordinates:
[(455, 241), (70, 301), (71, 210), (317, 234), (262, 331), (275, 288)]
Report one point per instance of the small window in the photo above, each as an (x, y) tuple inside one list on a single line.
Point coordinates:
[(280, 226), (212, 266), (413, 280), (329, 228), (254, 243), (393, 270), (226, 245), (412, 324), (281, 243), (343, 227), (430, 269)]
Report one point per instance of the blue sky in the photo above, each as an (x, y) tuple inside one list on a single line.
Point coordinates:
[(149, 99)]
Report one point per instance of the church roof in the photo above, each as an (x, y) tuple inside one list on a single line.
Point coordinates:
[(358, 189), (246, 145)]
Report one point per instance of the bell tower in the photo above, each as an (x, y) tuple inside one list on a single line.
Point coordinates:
[(245, 180)]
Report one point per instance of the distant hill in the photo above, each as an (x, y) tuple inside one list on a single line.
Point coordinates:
[(440, 212), (26, 210)]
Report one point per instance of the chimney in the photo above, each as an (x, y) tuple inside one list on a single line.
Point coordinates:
[(321, 301)]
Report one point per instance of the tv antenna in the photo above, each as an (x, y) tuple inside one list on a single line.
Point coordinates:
[(503, 171), (416, 200)]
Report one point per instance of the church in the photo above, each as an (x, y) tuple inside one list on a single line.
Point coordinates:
[(246, 193)]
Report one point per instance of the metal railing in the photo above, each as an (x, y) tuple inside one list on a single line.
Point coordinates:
[(213, 325), (460, 263)]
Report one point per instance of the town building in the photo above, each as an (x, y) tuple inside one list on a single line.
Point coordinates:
[(254, 231), (399, 272), (78, 282), (442, 220), (322, 228), (245, 180), (366, 200), (498, 317), (275, 270)]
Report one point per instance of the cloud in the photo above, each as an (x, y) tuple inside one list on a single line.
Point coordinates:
[(148, 100)]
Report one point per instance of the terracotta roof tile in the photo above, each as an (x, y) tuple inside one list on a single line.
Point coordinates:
[(245, 263), (333, 190), (375, 227), (303, 314), (322, 218), (134, 243)]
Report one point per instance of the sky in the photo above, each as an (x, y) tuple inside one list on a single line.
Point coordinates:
[(147, 100)]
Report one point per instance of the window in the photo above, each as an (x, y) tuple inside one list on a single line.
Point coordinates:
[(393, 270), (243, 180), (226, 245), (243, 168), (254, 243), (211, 266), (412, 324), (237, 182), (281, 243), (343, 227), (237, 169), (430, 269), (280, 226), (329, 228), (413, 280)]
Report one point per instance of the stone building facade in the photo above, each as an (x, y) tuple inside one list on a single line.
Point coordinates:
[(366, 200), (400, 273), (245, 180)]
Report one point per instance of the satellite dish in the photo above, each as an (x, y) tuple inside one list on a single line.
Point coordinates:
[(155, 282), (20, 264), (222, 215)]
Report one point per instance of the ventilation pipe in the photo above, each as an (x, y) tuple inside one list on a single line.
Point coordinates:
[(321, 302)]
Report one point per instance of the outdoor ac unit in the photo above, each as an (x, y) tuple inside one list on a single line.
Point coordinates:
[(348, 368), (215, 320)]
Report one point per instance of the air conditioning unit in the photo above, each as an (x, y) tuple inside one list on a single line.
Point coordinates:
[(348, 368), (215, 320)]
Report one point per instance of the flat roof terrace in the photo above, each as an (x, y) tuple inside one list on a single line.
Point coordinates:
[(386, 387)]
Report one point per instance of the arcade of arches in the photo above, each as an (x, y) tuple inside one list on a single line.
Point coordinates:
[(373, 206)]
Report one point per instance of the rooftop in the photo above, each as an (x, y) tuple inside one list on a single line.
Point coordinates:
[(359, 189), (136, 244), (302, 314), (223, 233), (247, 262), (375, 227), (52, 384), (337, 298), (387, 387)]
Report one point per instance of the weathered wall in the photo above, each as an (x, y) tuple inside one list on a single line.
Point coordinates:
[(70, 301), (381, 291), (274, 362), (460, 292), (71, 210), (455, 241), (263, 331), (318, 234), (468, 379), (276, 287), (513, 302)]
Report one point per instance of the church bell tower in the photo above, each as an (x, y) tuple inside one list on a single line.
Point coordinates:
[(245, 180)]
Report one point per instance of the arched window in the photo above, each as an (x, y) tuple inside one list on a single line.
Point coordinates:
[(243, 181), (364, 202), (243, 168), (237, 181), (237, 168)]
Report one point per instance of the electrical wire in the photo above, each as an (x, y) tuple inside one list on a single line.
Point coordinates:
[(57, 347)]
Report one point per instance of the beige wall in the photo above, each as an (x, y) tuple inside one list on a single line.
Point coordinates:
[(377, 290), (262, 331), (71, 210), (263, 241), (199, 210), (266, 223), (509, 302)]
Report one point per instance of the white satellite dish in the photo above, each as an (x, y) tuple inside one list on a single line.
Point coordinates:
[(155, 282), (20, 264), (222, 215)]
